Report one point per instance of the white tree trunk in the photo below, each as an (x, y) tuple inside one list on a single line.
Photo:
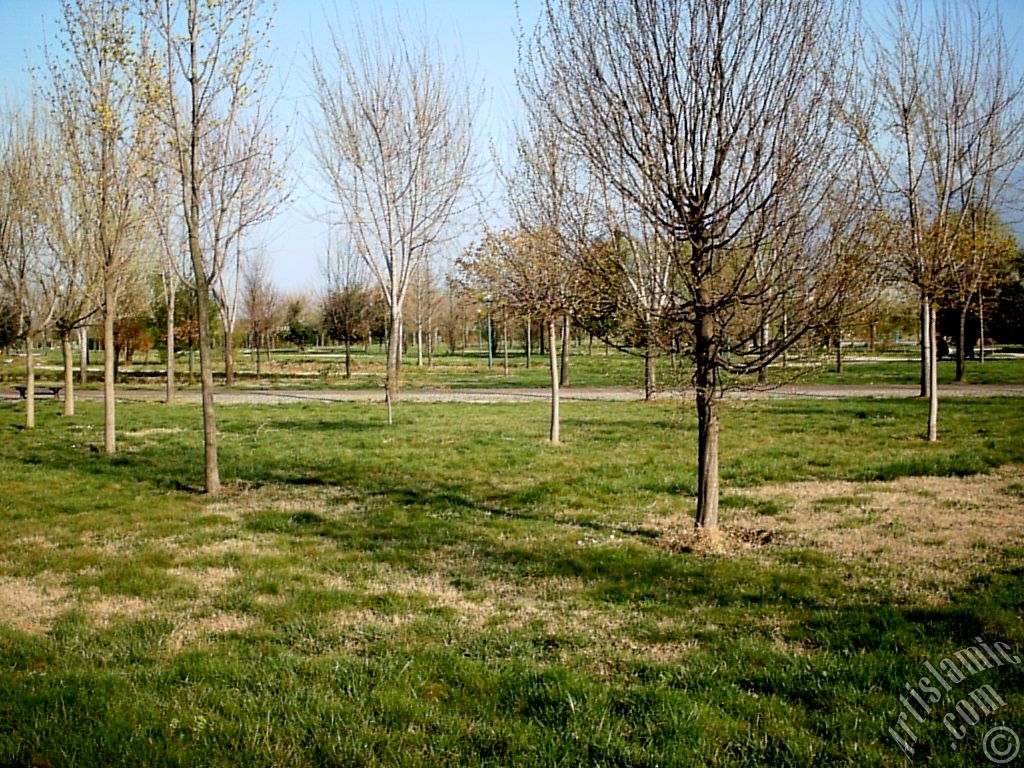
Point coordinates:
[(109, 415), (554, 433), (69, 374), (30, 383)]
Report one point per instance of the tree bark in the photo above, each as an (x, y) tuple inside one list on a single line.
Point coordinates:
[(839, 350), (926, 344), (529, 342), (83, 355), (981, 328), (650, 375), (391, 372), (961, 338), (554, 431), (504, 343), (30, 383), (933, 380), (348, 357), (566, 332), (169, 389), (229, 358), (68, 356), (109, 373)]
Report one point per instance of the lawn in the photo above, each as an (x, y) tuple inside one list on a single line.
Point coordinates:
[(453, 591), (588, 367)]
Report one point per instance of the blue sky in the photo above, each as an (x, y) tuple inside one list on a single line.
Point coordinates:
[(483, 31)]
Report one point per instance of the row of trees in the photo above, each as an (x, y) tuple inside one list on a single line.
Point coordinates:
[(716, 179)]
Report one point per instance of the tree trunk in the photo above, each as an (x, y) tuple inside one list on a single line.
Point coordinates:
[(391, 371), (707, 427), (229, 357), (981, 328), (191, 364), (566, 332), (504, 343), (926, 344), (419, 345), (259, 370), (933, 380), (839, 350), (961, 338), (650, 374), (109, 373), (83, 355), (529, 342), (30, 383), (348, 356), (554, 432), (69, 373), (169, 390)]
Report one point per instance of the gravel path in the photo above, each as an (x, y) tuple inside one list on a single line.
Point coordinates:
[(611, 394)]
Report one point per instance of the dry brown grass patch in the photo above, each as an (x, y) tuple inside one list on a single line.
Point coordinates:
[(31, 605), (922, 532)]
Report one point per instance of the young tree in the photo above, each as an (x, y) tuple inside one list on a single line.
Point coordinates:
[(261, 303), (94, 89), (213, 75), (943, 127), (26, 272), (393, 138), (713, 123), (347, 303)]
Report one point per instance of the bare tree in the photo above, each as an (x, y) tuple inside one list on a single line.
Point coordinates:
[(943, 126), (213, 77), (393, 136), (94, 89), (26, 271), (713, 123), (261, 303), (346, 302)]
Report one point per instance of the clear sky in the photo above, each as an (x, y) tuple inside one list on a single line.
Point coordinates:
[(483, 31)]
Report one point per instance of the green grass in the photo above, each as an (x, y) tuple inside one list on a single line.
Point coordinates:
[(453, 591), (319, 368)]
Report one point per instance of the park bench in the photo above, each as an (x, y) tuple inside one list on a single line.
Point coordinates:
[(42, 393)]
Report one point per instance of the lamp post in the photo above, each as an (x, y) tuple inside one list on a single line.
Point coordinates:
[(490, 333)]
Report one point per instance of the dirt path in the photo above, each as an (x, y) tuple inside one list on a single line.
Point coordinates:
[(610, 394)]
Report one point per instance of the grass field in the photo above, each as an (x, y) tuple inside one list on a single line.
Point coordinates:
[(318, 368), (453, 591)]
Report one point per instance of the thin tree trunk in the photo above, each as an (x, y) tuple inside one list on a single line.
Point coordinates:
[(109, 373), (169, 391), (981, 328), (229, 358), (392, 372), (69, 373), (650, 374), (256, 346), (83, 355), (30, 383), (961, 338), (504, 342), (707, 429), (566, 332), (419, 345), (839, 350), (348, 357), (926, 342), (933, 381), (554, 432), (529, 342)]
